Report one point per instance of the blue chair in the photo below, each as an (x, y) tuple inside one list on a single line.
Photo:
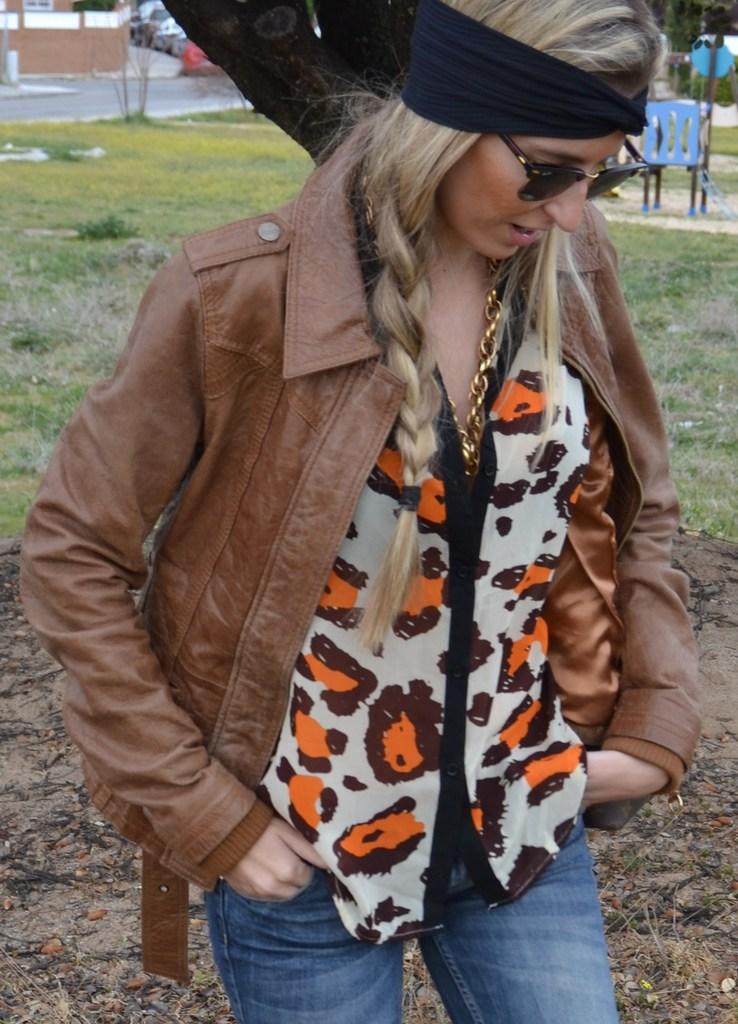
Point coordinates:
[(672, 139)]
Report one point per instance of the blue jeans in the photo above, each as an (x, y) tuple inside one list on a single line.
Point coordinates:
[(540, 959)]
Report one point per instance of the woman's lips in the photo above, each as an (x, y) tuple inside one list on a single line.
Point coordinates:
[(520, 235)]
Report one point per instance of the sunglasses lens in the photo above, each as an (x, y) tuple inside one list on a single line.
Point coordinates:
[(547, 185), (611, 178)]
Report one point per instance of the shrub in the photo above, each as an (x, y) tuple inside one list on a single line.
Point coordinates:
[(725, 92), (94, 5), (106, 227), (29, 338)]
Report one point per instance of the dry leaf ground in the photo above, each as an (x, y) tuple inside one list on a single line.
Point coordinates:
[(69, 886)]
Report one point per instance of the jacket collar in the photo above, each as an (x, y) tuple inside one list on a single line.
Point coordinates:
[(326, 322)]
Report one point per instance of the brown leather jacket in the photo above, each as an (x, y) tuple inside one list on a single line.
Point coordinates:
[(252, 393)]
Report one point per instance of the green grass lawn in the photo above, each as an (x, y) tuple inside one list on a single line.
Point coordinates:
[(725, 141), (682, 289), (66, 304)]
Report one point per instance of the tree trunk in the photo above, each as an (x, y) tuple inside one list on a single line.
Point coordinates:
[(372, 35), (271, 52)]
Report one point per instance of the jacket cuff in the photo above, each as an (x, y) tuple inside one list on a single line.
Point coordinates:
[(238, 842), (654, 753)]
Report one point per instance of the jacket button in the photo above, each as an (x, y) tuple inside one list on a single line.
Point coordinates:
[(268, 231), (163, 888)]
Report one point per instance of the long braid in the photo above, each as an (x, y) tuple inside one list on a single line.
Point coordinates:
[(399, 306)]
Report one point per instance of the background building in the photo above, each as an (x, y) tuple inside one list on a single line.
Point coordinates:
[(52, 38)]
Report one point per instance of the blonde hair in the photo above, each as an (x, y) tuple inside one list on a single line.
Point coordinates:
[(402, 159)]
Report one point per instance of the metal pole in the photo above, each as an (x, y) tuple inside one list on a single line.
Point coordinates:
[(711, 93)]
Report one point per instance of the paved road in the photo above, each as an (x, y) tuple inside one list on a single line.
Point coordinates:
[(89, 99)]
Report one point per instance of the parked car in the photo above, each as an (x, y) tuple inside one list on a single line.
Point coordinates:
[(145, 8), (195, 61), (146, 21), (170, 38)]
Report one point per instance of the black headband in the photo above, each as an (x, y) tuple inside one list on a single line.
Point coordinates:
[(467, 76)]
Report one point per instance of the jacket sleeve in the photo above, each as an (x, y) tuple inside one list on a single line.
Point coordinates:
[(116, 466), (658, 700)]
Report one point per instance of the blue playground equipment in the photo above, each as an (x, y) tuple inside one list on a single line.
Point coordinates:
[(673, 139)]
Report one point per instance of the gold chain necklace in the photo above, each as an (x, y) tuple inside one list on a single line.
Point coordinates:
[(470, 434)]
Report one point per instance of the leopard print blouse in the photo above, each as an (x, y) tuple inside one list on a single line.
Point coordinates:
[(450, 742)]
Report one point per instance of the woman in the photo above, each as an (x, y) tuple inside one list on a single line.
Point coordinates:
[(340, 717)]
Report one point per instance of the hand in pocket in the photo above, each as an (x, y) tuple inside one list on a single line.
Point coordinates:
[(277, 866)]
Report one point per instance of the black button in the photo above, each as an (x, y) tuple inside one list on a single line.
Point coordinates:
[(489, 471), (452, 770), (463, 573), (458, 673)]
